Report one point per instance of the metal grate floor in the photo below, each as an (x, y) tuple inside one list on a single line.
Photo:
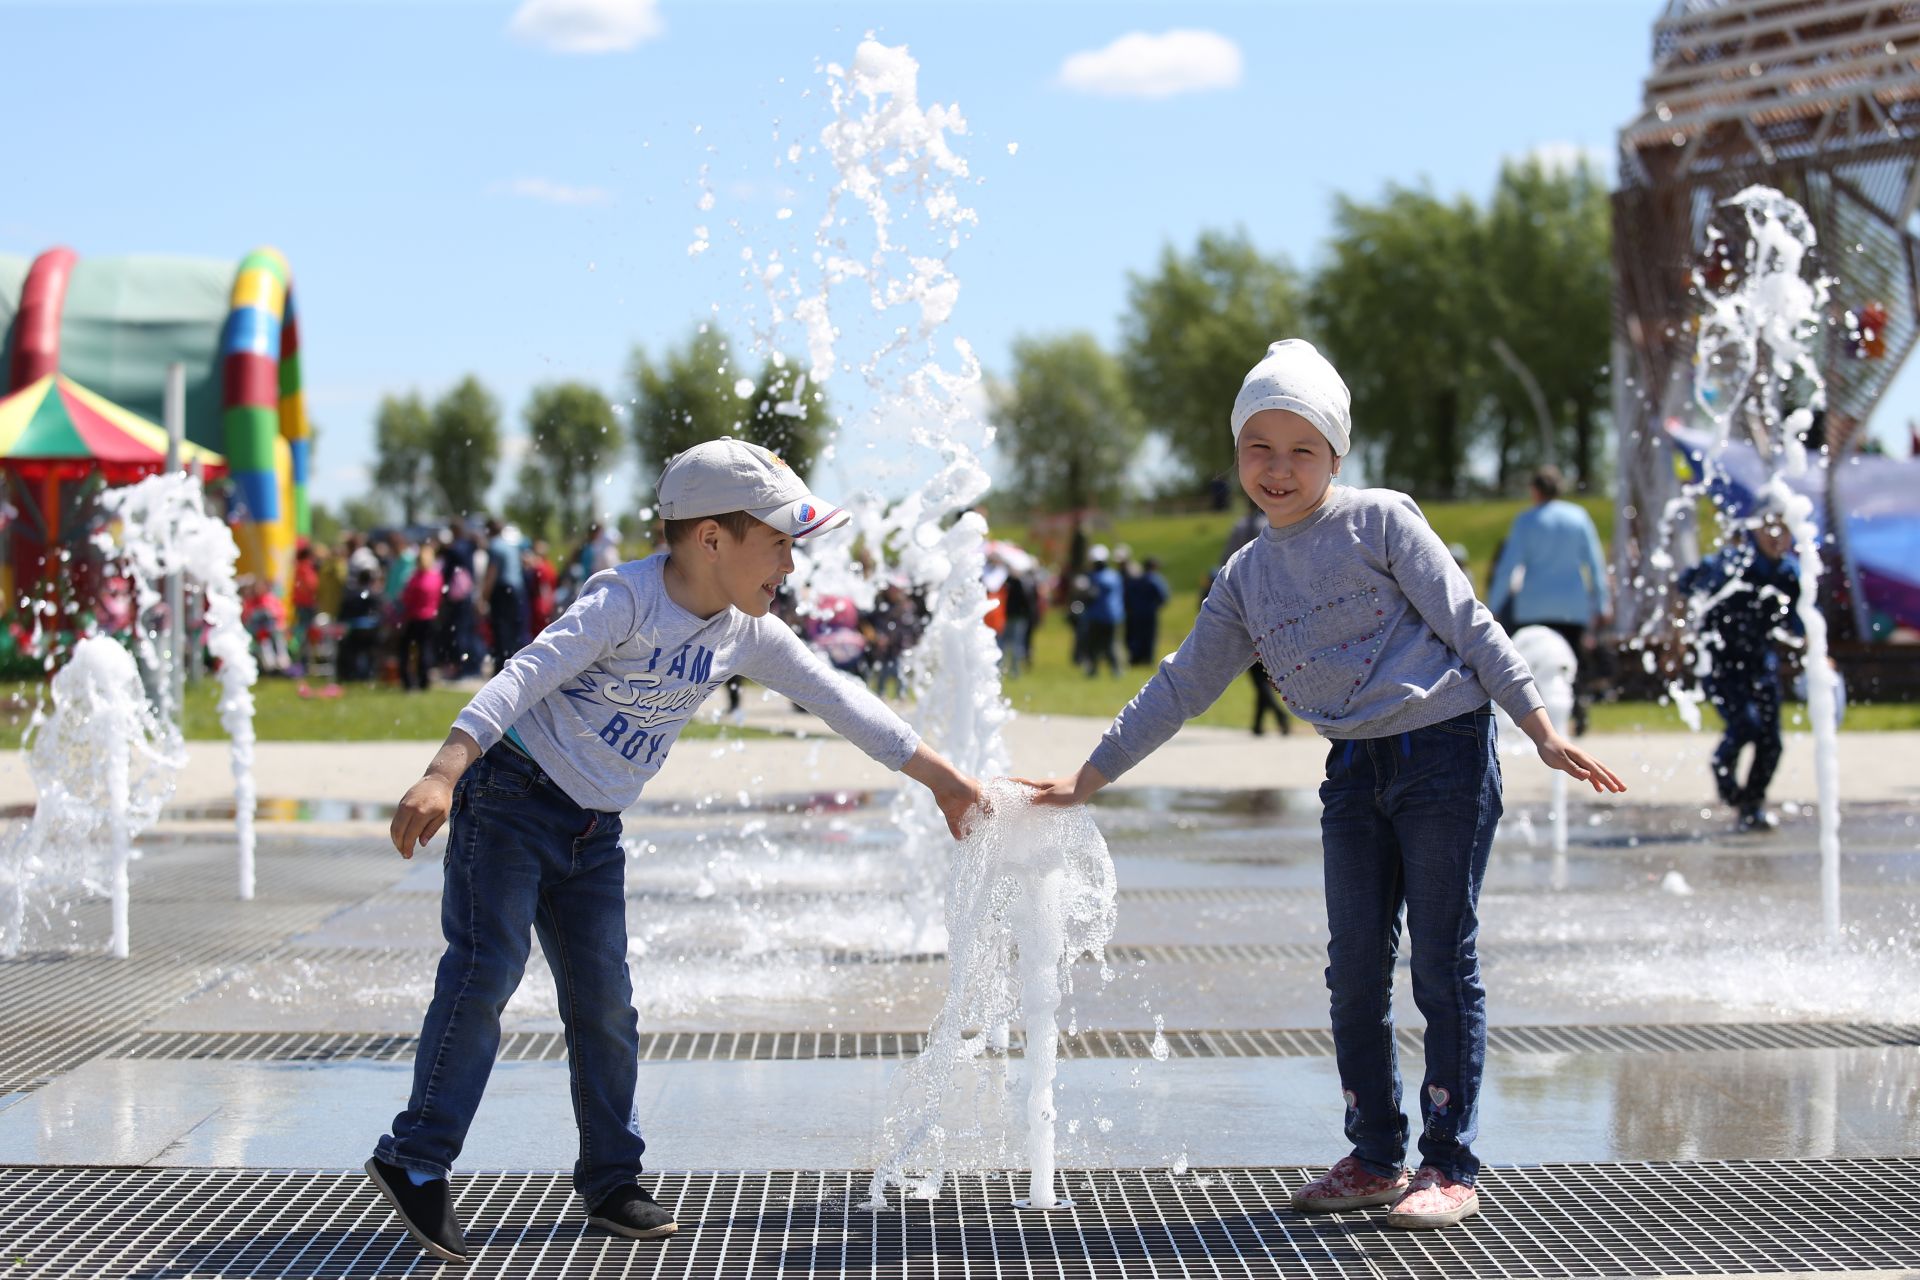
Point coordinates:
[(801, 1046), (1696, 1218), (63, 1008)]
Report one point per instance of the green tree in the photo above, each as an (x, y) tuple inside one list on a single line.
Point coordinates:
[(571, 433), (694, 393), (363, 514), (402, 443), (1068, 424), (464, 445), (1192, 331), (326, 526), (534, 505), (1550, 277), (1400, 306)]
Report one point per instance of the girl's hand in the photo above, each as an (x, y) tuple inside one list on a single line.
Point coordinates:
[(1557, 752), (1065, 791)]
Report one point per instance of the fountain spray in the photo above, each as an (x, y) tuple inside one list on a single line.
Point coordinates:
[(165, 529), (881, 256), (1754, 354)]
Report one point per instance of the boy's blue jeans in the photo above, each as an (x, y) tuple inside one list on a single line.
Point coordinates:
[(1748, 700), (522, 859), (1409, 819)]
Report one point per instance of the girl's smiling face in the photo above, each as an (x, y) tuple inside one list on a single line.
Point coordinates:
[(1286, 465)]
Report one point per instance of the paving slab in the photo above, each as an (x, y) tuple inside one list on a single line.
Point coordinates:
[(1753, 1104)]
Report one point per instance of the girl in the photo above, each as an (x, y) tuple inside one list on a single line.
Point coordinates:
[(1368, 630)]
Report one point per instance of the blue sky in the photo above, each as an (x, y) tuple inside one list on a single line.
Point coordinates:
[(458, 195)]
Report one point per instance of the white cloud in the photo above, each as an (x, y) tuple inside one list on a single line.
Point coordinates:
[(586, 26), (554, 192), (1138, 65), (1566, 157)]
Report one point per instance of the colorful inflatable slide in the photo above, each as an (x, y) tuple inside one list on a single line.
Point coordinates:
[(113, 325)]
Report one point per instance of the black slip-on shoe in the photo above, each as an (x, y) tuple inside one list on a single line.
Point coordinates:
[(630, 1211), (426, 1212)]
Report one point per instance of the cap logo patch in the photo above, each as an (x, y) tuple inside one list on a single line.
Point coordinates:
[(806, 513)]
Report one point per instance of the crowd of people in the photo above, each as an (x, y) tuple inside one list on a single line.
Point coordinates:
[(413, 606), (1116, 601)]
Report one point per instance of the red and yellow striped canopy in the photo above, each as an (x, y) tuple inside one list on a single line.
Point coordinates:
[(56, 425)]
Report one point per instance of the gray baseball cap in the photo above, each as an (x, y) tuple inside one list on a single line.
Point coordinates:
[(724, 475)]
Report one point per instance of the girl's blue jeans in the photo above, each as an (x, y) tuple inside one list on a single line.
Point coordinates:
[(523, 859), (1408, 821)]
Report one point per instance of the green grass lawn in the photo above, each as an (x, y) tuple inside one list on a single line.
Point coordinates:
[(1055, 687), (362, 713), (1187, 546)]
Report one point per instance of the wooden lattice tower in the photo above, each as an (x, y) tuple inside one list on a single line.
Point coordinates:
[(1820, 100)]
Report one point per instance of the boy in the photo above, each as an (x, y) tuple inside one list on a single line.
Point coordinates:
[(1751, 588), (535, 775)]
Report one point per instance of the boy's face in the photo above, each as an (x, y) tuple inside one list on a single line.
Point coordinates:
[(1773, 539), (1286, 465), (750, 570)]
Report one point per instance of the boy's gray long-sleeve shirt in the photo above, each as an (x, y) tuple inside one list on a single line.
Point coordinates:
[(600, 696), (1365, 625)]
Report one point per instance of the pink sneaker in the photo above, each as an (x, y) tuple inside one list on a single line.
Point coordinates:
[(1434, 1200), (1348, 1185)]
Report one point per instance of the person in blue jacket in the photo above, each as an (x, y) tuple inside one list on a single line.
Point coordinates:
[(1555, 550), (1743, 596), (1106, 612)]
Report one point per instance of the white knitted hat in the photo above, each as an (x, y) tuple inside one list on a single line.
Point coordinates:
[(1296, 377)]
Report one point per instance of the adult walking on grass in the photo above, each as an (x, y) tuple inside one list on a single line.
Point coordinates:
[(505, 590), (1146, 594), (1106, 612), (1555, 550)]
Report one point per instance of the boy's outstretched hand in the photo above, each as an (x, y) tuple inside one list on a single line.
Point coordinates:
[(1556, 752), (959, 796), (962, 806)]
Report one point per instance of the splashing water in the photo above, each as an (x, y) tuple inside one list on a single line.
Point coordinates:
[(874, 298), (1032, 891), (1755, 355), (103, 765), (1551, 660), (165, 529)]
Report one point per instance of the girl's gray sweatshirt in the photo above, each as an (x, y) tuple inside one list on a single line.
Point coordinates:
[(600, 696), (1365, 625)]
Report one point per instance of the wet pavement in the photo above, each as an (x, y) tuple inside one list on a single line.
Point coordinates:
[(1676, 1002)]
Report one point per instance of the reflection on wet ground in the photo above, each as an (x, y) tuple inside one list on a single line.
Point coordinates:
[(810, 913)]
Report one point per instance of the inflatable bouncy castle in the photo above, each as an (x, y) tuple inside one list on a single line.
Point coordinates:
[(114, 325)]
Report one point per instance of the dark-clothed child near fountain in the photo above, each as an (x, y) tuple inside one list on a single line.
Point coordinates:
[(1370, 632), (535, 775), (1750, 587)]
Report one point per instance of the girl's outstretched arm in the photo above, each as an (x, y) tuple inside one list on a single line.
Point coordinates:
[(1066, 791), (1559, 753)]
